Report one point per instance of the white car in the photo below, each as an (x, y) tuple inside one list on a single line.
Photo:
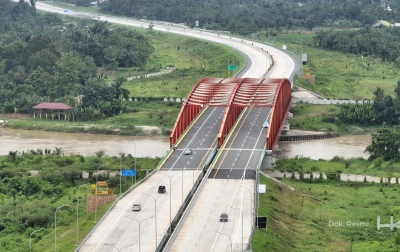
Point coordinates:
[(188, 151), (136, 207), (266, 124)]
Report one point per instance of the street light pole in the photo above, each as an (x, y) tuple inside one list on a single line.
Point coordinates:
[(182, 175), (135, 154), (95, 211), (242, 223), (251, 199), (202, 156), (117, 248), (77, 214), (30, 238), (120, 171), (155, 212), (139, 223), (229, 239), (170, 193), (55, 227)]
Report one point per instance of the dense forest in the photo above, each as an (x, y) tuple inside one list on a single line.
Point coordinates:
[(43, 59), (248, 16), (382, 43)]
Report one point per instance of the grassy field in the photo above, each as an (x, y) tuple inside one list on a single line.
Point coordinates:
[(322, 117), (305, 219), (339, 75)]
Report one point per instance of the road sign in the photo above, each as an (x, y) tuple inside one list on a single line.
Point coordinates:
[(128, 173), (232, 67)]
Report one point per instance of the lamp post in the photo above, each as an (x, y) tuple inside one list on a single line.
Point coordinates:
[(95, 211), (257, 175), (117, 248), (170, 193), (251, 199), (55, 226), (242, 223), (139, 223), (182, 175), (257, 127), (30, 238), (155, 212), (135, 153), (228, 237), (202, 156), (77, 214), (120, 172)]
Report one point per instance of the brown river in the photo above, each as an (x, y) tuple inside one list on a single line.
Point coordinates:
[(157, 146)]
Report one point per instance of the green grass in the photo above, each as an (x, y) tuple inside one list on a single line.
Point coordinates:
[(188, 55), (339, 75), (322, 117), (299, 220)]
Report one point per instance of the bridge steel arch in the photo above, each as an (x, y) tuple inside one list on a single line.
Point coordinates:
[(257, 92), (236, 94), (280, 109), (206, 92)]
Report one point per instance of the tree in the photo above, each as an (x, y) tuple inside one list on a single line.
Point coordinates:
[(66, 73), (385, 143), (44, 59), (119, 91)]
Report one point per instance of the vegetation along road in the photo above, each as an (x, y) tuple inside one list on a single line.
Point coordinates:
[(348, 58)]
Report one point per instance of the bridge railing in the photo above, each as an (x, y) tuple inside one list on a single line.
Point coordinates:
[(190, 200)]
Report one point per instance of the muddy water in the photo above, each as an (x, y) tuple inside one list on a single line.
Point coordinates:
[(327, 148), (84, 144), (156, 146)]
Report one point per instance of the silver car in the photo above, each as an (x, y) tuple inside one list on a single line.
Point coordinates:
[(136, 207), (188, 151)]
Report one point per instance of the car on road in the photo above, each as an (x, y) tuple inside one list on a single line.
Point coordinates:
[(161, 189), (223, 217), (136, 207), (188, 151), (266, 124)]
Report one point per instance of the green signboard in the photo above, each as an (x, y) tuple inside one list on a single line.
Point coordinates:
[(231, 67)]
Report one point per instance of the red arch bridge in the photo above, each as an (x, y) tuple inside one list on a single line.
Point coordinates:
[(233, 115)]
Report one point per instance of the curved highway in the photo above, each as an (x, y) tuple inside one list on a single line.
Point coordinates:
[(230, 187)]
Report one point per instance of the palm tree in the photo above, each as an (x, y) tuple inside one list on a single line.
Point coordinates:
[(120, 92)]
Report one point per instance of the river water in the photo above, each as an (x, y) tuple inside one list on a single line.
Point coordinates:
[(157, 146), (348, 146), (84, 144)]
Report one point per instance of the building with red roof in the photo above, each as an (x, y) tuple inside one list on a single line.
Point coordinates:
[(51, 110)]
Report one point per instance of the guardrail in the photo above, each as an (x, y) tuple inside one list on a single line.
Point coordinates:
[(189, 202)]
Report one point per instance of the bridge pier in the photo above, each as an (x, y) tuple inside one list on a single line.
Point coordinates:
[(269, 160), (286, 124)]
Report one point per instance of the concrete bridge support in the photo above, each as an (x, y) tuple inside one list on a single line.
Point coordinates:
[(269, 161), (286, 124)]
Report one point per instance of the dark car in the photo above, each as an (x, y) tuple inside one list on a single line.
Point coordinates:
[(161, 189), (223, 217)]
